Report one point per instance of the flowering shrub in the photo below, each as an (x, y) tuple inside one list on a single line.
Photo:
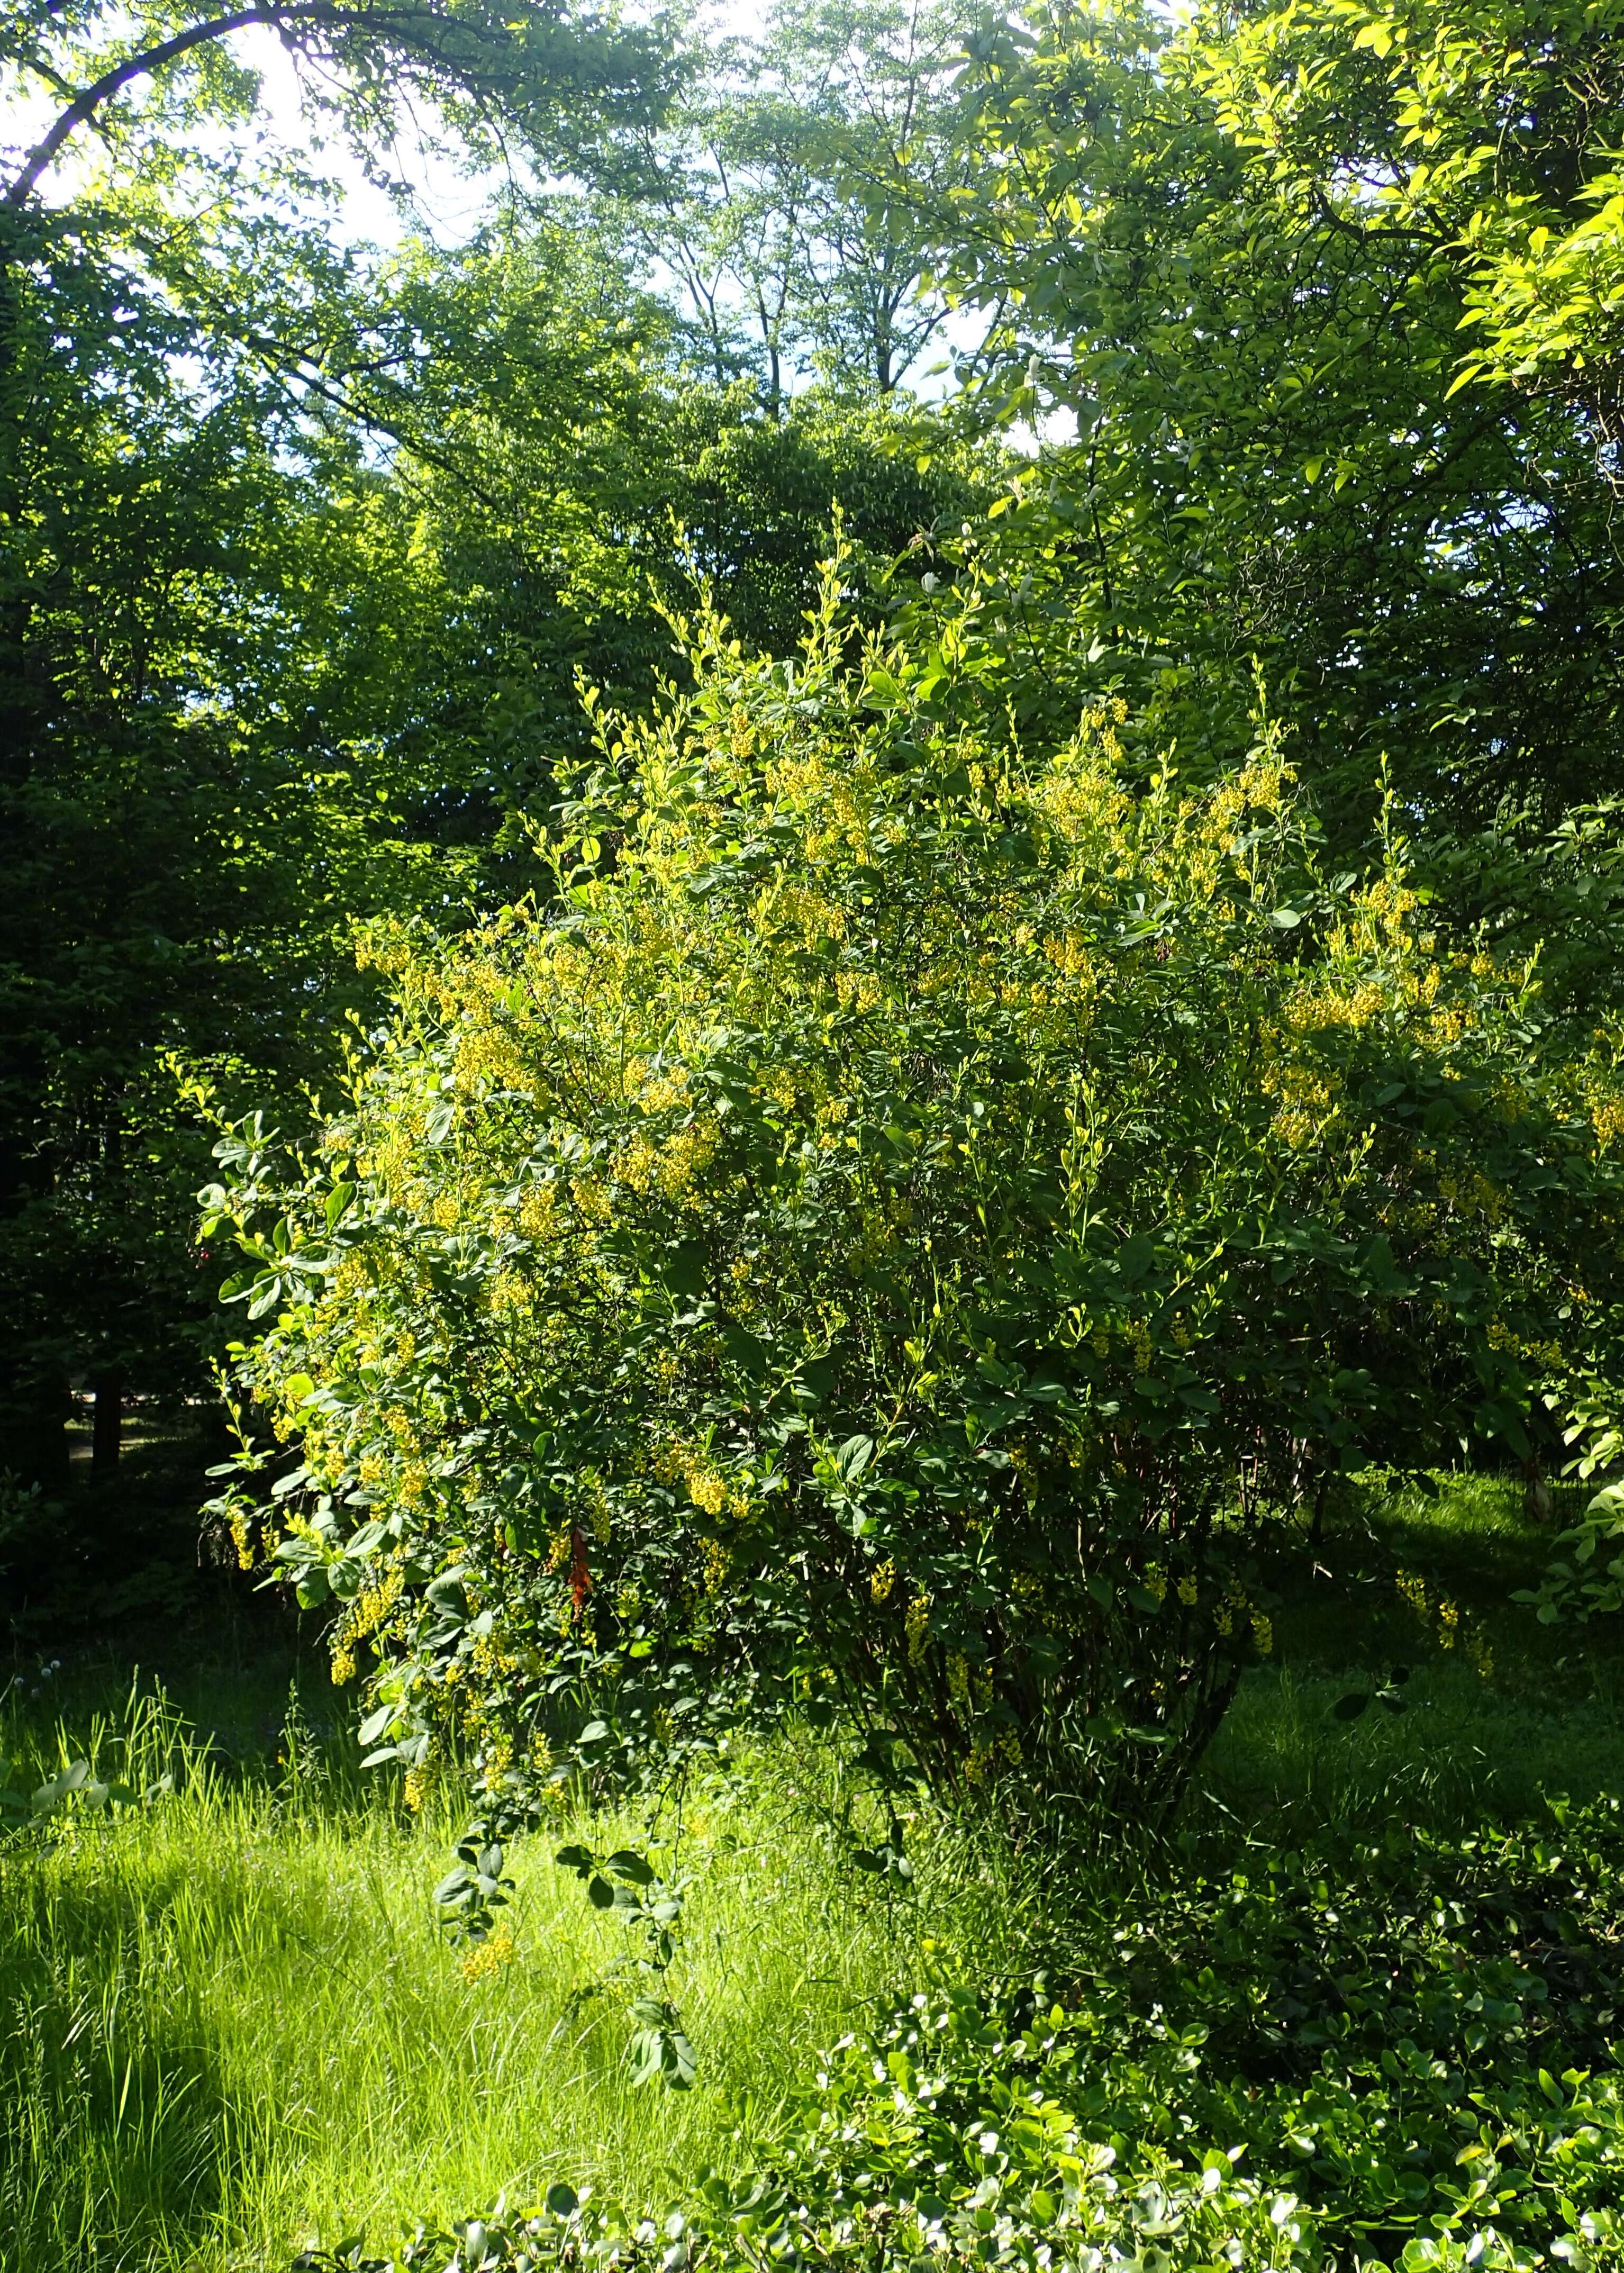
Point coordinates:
[(904, 1227)]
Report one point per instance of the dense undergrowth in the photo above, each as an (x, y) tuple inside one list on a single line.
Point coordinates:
[(1366, 2005)]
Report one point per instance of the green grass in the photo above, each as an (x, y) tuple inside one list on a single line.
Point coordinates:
[(1509, 1712), (227, 2024)]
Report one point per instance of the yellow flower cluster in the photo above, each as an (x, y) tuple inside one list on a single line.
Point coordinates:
[(347, 1280), (1070, 959), (595, 1503), (487, 1054), (1080, 795), (1259, 786), (1444, 1028), (857, 990), (1549, 1355), (882, 1581), (684, 1158), (490, 1956), (1607, 1119), (1472, 1194), (1453, 1628), (791, 907), (1306, 1102), (1381, 914), (1185, 1587), (369, 1614), (592, 1201), (780, 1086), (511, 1295), (986, 1750), (797, 783), (538, 1213), (1316, 1010), (710, 1488), (1022, 1460), (665, 1092), (916, 1627), (1235, 1614)]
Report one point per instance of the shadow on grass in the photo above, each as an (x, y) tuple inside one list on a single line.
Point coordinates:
[(116, 2136)]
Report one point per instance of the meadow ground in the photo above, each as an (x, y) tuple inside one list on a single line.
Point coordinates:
[(229, 2026)]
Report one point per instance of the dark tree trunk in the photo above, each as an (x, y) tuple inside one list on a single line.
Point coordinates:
[(1537, 1504), (34, 1430), (108, 1426)]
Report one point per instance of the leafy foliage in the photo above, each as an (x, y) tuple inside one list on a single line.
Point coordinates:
[(1237, 256), (903, 1228), (305, 666), (743, 190), (166, 65), (1586, 1575)]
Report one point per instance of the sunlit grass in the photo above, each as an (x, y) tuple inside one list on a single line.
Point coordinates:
[(228, 2024), (231, 2023)]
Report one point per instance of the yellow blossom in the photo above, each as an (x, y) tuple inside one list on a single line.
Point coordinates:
[(916, 1627), (708, 1490), (490, 1956)]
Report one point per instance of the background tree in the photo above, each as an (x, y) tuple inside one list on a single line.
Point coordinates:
[(748, 194), (310, 550), (1239, 259), (121, 489), (140, 77)]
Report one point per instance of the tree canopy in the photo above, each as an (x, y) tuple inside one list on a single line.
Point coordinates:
[(1278, 270)]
